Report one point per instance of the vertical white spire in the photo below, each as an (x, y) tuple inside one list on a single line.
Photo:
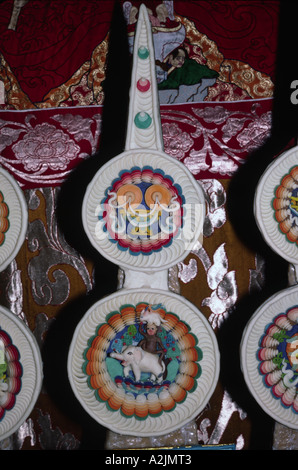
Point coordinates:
[(144, 125)]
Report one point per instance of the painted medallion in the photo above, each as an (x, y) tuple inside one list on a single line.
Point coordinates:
[(143, 361), (10, 373), (278, 356), (4, 219), (276, 205), (269, 356), (20, 372), (285, 205), (143, 210)]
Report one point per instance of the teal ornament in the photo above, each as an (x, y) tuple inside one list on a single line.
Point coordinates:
[(143, 52), (142, 120)]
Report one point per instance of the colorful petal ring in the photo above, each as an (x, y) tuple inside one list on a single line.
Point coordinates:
[(4, 222)]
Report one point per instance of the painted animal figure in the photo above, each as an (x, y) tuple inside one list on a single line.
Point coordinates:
[(150, 314), (136, 359)]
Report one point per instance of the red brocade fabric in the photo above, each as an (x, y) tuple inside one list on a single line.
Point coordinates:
[(53, 58), (51, 41), (244, 31), (40, 148)]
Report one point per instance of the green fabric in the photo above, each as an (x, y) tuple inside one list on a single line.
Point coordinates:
[(189, 74)]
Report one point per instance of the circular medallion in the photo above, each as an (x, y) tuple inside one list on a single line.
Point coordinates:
[(144, 363), (276, 205), (269, 356), (143, 210), (20, 372), (13, 218)]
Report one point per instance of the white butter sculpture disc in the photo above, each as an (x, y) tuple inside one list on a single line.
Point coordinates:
[(143, 406), (20, 372), (133, 228), (269, 356), (276, 205), (144, 210), (13, 218)]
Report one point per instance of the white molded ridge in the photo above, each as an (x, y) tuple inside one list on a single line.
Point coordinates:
[(144, 101)]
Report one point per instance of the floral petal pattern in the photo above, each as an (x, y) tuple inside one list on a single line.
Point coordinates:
[(11, 379), (176, 339), (269, 356), (120, 400)]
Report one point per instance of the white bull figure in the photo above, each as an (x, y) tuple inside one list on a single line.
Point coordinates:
[(136, 359)]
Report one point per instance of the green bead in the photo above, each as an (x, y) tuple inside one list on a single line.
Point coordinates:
[(143, 52), (143, 120)]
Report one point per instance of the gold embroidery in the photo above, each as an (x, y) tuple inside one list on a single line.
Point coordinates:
[(90, 76), (58, 95), (97, 71), (255, 83), (209, 48), (15, 97)]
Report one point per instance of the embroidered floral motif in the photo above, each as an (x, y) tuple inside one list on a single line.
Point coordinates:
[(177, 142), (45, 147), (46, 152), (256, 132), (214, 140)]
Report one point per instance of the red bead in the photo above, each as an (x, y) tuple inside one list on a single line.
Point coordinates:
[(143, 84)]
